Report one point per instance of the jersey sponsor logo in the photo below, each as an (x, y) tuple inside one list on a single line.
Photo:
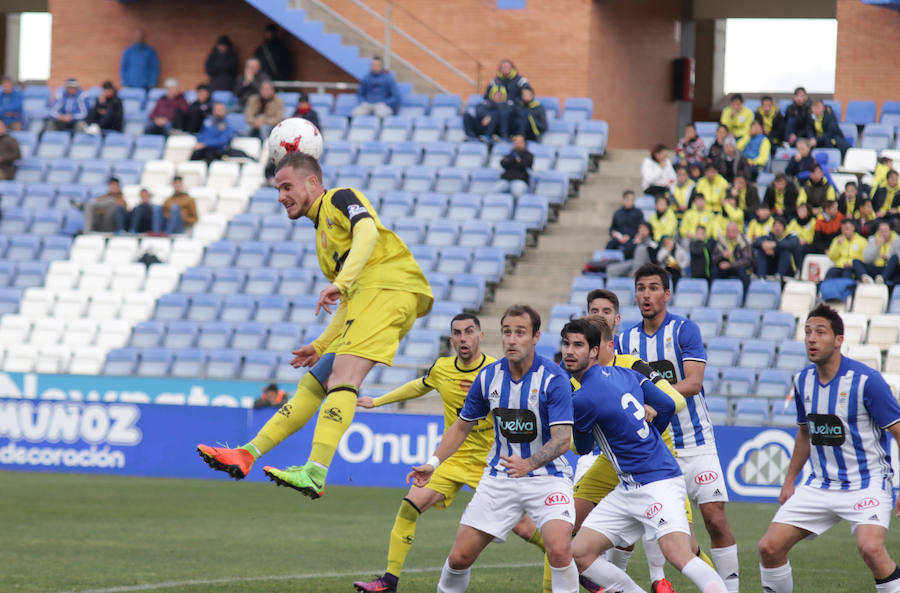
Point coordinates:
[(825, 430), (354, 210), (465, 385), (653, 510), (517, 426), (707, 477), (665, 368), (717, 492), (866, 503), (556, 498)]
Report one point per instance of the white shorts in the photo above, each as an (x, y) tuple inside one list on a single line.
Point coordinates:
[(499, 503), (584, 463), (651, 511), (703, 478), (818, 510)]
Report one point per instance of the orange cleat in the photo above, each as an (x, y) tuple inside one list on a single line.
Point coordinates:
[(235, 462), (662, 586)]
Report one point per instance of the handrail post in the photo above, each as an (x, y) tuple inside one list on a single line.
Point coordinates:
[(387, 36)]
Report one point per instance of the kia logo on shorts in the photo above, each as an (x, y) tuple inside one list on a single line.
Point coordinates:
[(866, 503), (706, 478), (556, 498), (653, 510)]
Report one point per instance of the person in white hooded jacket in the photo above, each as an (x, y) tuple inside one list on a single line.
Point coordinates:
[(657, 173)]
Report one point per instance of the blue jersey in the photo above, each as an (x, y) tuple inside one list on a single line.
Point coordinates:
[(609, 407), (846, 417), (677, 340), (523, 410)]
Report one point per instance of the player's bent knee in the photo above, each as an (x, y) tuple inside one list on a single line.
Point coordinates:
[(559, 555), (583, 557), (771, 551), (460, 560), (872, 552)]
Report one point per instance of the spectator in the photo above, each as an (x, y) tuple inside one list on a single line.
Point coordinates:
[(663, 220), (657, 173), (801, 163), (713, 187), (624, 223), (737, 116), (756, 148), (778, 252), (263, 111), (197, 112), (804, 226), (746, 196), (143, 216), (816, 191), (823, 129), (696, 216), (643, 252), (732, 256), (271, 396), (378, 92), (9, 153), (11, 101), (682, 190), (691, 149), (731, 162), (781, 196), (673, 257), (490, 121), (730, 212), (214, 137), (865, 218), (509, 82), (715, 149), (305, 110), (250, 81), (848, 202), (884, 165), (170, 106), (771, 119), (796, 115), (761, 224), (274, 56), (106, 213), (844, 249), (140, 65), (107, 113), (880, 257), (531, 116), (221, 65), (828, 227), (885, 199), (701, 252), (180, 210), (69, 107), (516, 166)]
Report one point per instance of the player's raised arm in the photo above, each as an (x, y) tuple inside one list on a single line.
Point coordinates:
[(413, 389), (450, 442), (662, 402), (309, 355)]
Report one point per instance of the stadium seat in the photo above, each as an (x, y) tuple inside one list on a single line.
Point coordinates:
[(468, 290), (578, 109), (562, 314), (284, 337), (228, 281), (371, 154), (445, 106), (21, 248), (259, 365), (891, 360), (870, 299), (791, 356), (623, 288), (422, 345), (592, 135), (710, 380), (411, 230), (859, 160), (773, 383), (442, 233), (442, 312), (868, 354), (15, 220), (691, 292), (742, 323), (884, 330), (363, 128), (510, 236), (440, 286), (451, 180), (859, 112), (484, 180), (430, 206), (737, 381), (581, 286), (709, 320), (476, 234), (214, 335), (551, 106), (428, 130), (855, 328), (155, 362), (385, 178), (777, 326), (798, 297), (726, 293), (120, 362), (497, 207), (405, 154), (471, 155), (178, 148), (454, 260), (722, 351), (763, 295), (30, 170), (395, 128), (532, 211), (552, 185), (53, 145), (559, 133), (223, 364), (188, 363), (489, 262), (204, 307), (249, 335), (757, 354), (751, 411), (180, 334)]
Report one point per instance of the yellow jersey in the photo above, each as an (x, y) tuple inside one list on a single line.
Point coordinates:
[(843, 251), (452, 382), (391, 265)]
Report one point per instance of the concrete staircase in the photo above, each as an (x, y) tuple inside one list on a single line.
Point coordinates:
[(543, 276)]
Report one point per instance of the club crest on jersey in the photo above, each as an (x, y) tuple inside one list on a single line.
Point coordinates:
[(329, 222), (533, 396), (653, 510), (354, 210), (866, 503), (556, 498), (706, 477)]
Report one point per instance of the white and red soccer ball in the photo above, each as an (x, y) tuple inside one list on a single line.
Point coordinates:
[(295, 134)]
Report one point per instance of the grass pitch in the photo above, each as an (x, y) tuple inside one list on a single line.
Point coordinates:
[(101, 534)]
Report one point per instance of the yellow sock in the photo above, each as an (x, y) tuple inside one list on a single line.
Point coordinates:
[(547, 582), (402, 536), (705, 557), (291, 417), (537, 539), (334, 419)]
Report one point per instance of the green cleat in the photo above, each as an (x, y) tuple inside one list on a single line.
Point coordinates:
[(298, 478)]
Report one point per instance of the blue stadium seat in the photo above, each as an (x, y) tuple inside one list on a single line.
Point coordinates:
[(726, 293), (133, 99), (484, 180), (128, 172), (709, 320), (859, 112), (249, 335), (171, 307), (623, 289), (272, 308), (592, 135), (691, 292), (94, 172), (84, 146), (439, 154), (722, 351), (828, 158), (396, 128), (405, 154), (552, 185), (427, 130), (442, 233), (55, 247), (188, 363), (27, 141), (551, 106), (120, 362), (510, 236), (303, 309), (489, 262), (30, 274), (385, 178), (440, 285), (54, 145), (352, 176), (253, 254), (22, 248), (532, 211), (476, 234), (345, 103), (581, 286), (396, 204), (441, 314), (410, 230), (757, 354), (877, 136), (223, 364), (204, 307), (262, 205), (544, 156), (423, 345), (155, 362), (261, 281), (763, 295), (276, 227), (181, 334), (414, 105), (364, 128), (445, 106), (323, 103), (791, 356), (710, 379), (742, 323), (430, 206), (47, 222), (215, 335), (451, 180), (15, 220), (463, 206), (425, 255), (334, 127), (835, 107), (237, 308), (497, 207), (372, 154), (228, 281), (38, 196), (773, 382), (9, 297), (117, 147), (573, 161), (339, 153), (736, 381), (559, 133), (578, 109), (11, 192), (751, 411), (284, 337), (471, 155), (30, 170), (777, 325), (259, 365), (243, 227), (562, 314), (468, 290), (286, 254), (196, 280), (219, 254)]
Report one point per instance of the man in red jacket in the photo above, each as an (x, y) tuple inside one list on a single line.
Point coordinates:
[(170, 106)]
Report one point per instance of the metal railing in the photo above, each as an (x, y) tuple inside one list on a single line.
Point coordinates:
[(319, 86)]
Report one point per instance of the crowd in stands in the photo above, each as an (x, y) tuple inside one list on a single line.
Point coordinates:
[(509, 108)]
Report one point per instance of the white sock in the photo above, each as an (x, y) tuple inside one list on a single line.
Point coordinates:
[(777, 580), (452, 580), (655, 560), (892, 586), (703, 575), (565, 579), (619, 557), (726, 561), (611, 578)]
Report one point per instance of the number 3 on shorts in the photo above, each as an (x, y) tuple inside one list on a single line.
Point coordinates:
[(628, 401)]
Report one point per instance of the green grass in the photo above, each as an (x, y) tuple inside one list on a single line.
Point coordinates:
[(81, 533)]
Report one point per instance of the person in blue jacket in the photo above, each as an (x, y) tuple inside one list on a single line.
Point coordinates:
[(378, 92), (214, 137), (11, 105), (140, 64), (823, 130), (69, 107)]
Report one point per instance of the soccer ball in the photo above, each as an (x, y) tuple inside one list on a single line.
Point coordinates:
[(295, 134)]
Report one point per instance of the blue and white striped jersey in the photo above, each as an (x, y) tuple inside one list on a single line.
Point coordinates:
[(523, 410), (676, 341), (846, 417)]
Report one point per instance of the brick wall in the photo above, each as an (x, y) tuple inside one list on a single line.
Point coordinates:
[(867, 45)]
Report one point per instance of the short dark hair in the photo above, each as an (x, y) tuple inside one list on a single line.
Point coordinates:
[(113, 180), (602, 293), (301, 161), (647, 270), (853, 183), (863, 201), (589, 329), (780, 177), (798, 89), (271, 387), (828, 204), (736, 97), (516, 310), (627, 192), (891, 172), (823, 310), (464, 317), (818, 102), (178, 178), (203, 87), (378, 58), (882, 221), (108, 85), (607, 332), (720, 126), (766, 98), (849, 221), (779, 219)]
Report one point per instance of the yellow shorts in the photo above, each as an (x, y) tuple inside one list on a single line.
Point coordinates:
[(377, 320), (600, 480), (451, 476)]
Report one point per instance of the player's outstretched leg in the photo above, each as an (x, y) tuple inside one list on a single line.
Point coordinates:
[(291, 417), (588, 550), (723, 546), (676, 546)]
